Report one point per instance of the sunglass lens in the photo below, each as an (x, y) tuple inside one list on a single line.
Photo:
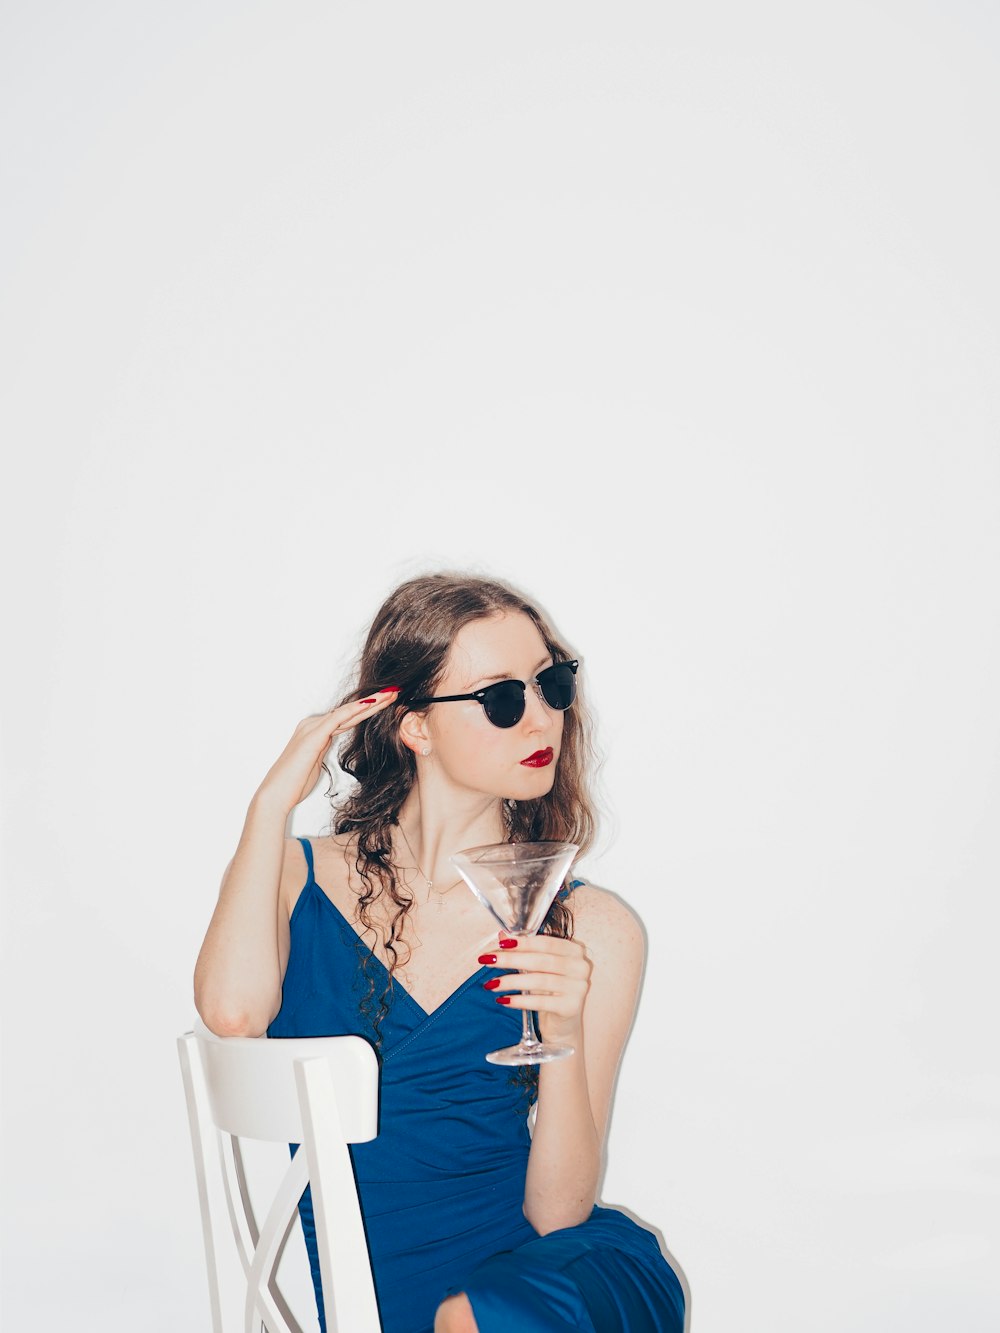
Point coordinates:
[(504, 703), (558, 685)]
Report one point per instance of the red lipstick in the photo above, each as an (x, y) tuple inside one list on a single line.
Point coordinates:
[(539, 759)]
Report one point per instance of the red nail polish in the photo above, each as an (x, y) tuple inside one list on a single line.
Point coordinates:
[(389, 689), (502, 999), (367, 701), (492, 984), (508, 944), (487, 958)]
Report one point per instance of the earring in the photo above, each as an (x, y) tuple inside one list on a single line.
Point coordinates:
[(426, 750)]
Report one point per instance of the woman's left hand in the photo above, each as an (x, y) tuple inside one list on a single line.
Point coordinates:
[(553, 979)]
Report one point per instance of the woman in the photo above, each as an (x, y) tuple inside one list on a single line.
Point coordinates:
[(474, 1221)]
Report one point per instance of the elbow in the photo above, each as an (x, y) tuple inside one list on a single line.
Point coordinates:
[(233, 1024), (227, 1020)]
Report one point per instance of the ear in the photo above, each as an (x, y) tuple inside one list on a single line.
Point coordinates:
[(413, 731)]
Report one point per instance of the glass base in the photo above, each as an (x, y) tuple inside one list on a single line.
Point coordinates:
[(529, 1053)]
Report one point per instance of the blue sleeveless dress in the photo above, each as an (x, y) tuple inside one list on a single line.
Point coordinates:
[(442, 1186)]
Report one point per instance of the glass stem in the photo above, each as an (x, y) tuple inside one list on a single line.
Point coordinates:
[(529, 1037)]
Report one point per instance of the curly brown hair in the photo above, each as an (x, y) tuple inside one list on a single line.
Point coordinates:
[(408, 644)]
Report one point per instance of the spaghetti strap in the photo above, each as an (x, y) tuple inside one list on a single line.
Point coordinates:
[(567, 889), (307, 848)]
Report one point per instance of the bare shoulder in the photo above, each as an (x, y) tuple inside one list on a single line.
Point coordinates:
[(607, 926), (615, 941), (330, 867)]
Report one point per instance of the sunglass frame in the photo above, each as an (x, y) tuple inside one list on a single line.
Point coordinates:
[(483, 696)]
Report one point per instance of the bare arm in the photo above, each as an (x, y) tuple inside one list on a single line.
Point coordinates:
[(238, 976), (241, 966), (594, 989)]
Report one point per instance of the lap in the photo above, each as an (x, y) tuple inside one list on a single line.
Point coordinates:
[(606, 1275)]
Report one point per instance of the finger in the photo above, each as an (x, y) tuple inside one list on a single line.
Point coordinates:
[(518, 944), (552, 983), (349, 715), (553, 945), (351, 712), (575, 964), (365, 703), (564, 1005)]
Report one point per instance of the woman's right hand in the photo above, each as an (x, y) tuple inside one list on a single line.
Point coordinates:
[(296, 771)]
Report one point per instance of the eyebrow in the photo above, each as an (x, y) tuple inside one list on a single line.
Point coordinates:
[(505, 675)]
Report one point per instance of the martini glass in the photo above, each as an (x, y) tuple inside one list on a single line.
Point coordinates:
[(516, 882)]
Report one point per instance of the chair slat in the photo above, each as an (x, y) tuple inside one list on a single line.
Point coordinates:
[(320, 1092), (263, 1269)]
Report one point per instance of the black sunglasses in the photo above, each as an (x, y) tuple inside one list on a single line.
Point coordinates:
[(503, 703)]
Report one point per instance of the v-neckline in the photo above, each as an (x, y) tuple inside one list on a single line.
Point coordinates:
[(394, 981)]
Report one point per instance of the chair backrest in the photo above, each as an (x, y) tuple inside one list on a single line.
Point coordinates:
[(320, 1092)]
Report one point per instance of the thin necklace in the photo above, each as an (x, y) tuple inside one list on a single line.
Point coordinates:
[(427, 880)]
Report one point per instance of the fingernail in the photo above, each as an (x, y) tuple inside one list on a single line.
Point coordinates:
[(487, 957), (367, 701), (492, 984), (502, 999), (389, 689), (508, 944)]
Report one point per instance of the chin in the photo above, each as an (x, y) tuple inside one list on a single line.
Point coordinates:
[(536, 782)]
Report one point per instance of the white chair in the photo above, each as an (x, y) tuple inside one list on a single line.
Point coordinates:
[(320, 1092)]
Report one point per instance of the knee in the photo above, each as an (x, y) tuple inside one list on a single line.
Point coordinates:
[(454, 1315)]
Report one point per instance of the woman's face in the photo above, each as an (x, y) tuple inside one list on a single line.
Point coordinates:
[(470, 750)]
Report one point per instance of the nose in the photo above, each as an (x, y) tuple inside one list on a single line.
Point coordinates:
[(537, 713)]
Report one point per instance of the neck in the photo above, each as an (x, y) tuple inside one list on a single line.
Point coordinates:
[(436, 829)]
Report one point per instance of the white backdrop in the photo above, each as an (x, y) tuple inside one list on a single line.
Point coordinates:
[(681, 317)]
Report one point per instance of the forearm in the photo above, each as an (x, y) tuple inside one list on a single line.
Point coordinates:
[(565, 1160), (237, 980)]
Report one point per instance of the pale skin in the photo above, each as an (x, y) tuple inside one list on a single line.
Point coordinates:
[(584, 990)]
